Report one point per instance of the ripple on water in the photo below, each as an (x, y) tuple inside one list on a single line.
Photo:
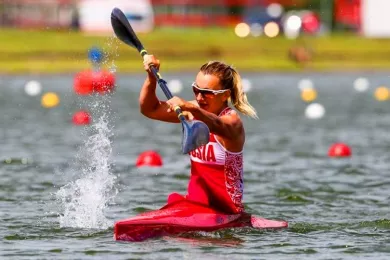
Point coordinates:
[(337, 208)]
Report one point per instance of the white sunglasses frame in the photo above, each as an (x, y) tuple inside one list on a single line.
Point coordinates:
[(215, 92)]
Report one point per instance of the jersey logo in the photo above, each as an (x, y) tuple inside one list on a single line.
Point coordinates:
[(204, 153)]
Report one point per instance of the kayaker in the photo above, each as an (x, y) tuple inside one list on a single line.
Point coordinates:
[(216, 168)]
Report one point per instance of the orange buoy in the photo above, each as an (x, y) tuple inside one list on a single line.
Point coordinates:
[(103, 81), (339, 150), (81, 118), (149, 158)]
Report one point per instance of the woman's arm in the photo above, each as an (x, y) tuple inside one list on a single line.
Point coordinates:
[(148, 100), (228, 126), (150, 105)]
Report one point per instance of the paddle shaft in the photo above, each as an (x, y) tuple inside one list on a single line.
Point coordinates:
[(163, 85)]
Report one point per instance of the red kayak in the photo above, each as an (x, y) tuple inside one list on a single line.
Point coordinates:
[(185, 216)]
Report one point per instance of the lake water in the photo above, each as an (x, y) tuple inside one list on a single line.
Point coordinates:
[(63, 186)]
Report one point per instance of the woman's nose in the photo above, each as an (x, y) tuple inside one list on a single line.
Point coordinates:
[(199, 96)]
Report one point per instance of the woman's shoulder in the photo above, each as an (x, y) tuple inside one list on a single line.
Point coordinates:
[(229, 112)]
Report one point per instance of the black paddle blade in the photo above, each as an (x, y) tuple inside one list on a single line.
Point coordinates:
[(123, 29), (195, 134)]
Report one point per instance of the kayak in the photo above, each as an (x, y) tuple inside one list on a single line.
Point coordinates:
[(186, 216)]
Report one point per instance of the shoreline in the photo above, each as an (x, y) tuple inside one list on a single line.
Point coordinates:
[(59, 52)]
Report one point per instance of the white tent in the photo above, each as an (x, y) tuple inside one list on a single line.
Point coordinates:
[(375, 18), (95, 15)]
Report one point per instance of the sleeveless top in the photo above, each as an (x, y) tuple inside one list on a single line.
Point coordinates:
[(221, 171)]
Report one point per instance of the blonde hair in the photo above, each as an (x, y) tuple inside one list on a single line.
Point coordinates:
[(230, 79)]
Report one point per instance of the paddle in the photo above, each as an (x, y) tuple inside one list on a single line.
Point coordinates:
[(195, 133)]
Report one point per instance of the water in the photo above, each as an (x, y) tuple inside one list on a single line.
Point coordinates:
[(63, 186), (85, 199)]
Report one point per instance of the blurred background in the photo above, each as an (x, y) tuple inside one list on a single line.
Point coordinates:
[(314, 16), (286, 35)]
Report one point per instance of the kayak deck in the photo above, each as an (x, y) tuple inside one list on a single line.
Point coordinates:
[(185, 216)]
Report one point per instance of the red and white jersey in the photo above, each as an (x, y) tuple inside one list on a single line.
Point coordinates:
[(221, 172)]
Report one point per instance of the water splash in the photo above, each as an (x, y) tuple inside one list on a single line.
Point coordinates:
[(84, 200), (111, 53)]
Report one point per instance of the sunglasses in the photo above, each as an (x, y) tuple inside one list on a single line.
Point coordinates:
[(206, 92)]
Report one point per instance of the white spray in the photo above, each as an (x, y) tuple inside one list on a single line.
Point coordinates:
[(84, 200)]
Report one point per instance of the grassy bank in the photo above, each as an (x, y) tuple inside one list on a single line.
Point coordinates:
[(187, 49)]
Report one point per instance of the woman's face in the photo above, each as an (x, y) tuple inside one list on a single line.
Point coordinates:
[(209, 94)]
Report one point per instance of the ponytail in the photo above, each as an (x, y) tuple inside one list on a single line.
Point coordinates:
[(238, 97)]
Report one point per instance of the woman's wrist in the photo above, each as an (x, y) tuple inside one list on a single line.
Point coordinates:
[(151, 79), (190, 107)]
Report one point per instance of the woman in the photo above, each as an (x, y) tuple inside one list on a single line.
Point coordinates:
[(216, 168)]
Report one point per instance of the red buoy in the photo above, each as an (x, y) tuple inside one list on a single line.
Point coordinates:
[(103, 81), (339, 150), (88, 81), (83, 83), (81, 118), (149, 158), (311, 23)]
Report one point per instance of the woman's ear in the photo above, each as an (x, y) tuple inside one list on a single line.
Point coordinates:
[(226, 95)]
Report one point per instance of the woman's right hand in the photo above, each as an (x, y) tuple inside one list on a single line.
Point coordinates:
[(150, 60)]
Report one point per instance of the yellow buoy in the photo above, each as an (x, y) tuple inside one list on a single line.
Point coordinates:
[(308, 94), (382, 94), (50, 100)]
